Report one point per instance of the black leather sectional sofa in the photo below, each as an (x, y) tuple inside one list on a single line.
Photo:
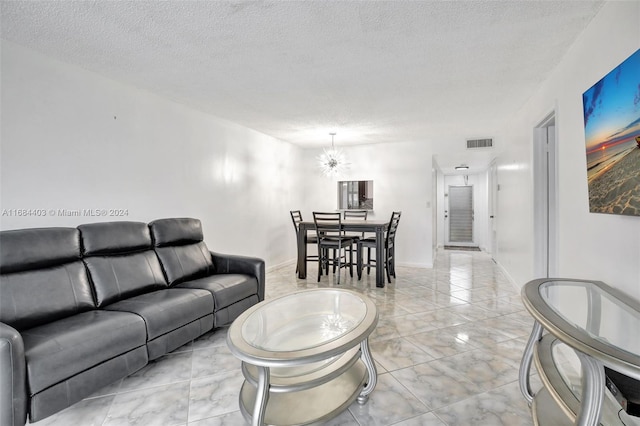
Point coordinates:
[(83, 307)]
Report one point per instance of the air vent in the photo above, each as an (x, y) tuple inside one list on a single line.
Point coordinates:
[(479, 143)]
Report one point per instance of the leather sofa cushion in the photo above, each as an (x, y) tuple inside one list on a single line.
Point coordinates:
[(166, 310), (118, 277), (186, 262), (28, 249), (114, 237), (226, 316), (67, 392), (176, 231), (32, 298), (64, 348), (227, 289), (181, 249)]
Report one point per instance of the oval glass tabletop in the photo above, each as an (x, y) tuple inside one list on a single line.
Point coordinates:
[(595, 311), (303, 320), (591, 317)]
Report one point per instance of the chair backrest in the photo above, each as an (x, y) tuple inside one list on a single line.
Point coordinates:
[(356, 214), (120, 259), (328, 224), (393, 227), (296, 217)]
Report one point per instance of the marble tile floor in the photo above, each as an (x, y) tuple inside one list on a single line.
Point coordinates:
[(447, 347)]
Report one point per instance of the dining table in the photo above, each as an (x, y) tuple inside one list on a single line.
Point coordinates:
[(373, 226)]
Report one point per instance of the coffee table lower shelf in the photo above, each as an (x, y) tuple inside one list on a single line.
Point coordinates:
[(556, 403), (545, 411), (310, 406)]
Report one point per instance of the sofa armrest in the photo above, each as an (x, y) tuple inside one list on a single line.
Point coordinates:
[(13, 388), (232, 264)]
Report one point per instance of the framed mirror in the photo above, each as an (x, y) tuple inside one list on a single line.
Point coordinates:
[(355, 195)]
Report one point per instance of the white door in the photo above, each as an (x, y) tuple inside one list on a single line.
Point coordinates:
[(460, 214)]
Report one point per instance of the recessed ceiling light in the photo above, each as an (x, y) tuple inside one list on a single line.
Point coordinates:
[(462, 167)]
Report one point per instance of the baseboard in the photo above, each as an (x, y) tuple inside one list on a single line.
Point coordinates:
[(416, 265), (280, 265), (508, 276)]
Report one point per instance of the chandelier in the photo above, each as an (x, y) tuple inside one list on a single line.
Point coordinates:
[(332, 161)]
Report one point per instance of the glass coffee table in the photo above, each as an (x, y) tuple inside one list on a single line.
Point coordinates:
[(305, 356), (589, 326)]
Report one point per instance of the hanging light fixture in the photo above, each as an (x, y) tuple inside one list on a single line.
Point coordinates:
[(332, 161)]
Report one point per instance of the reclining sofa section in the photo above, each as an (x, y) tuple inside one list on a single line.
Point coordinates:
[(83, 307)]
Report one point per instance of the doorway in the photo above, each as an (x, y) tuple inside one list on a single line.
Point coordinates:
[(493, 203), (545, 197), (460, 212)]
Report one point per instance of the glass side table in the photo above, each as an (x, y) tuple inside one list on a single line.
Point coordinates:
[(600, 325), (305, 356), (559, 369)]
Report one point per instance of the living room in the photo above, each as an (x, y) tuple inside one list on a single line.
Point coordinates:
[(75, 139)]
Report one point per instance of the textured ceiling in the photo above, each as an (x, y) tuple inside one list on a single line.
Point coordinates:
[(374, 71)]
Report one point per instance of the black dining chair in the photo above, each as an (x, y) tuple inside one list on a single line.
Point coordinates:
[(355, 215), (296, 217), (332, 239), (389, 249)]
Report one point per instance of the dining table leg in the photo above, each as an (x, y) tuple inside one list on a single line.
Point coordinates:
[(380, 261), (302, 252)]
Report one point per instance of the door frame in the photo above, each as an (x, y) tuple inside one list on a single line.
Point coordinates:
[(492, 192), (545, 197)]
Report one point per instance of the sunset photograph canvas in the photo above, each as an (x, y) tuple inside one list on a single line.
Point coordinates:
[(612, 135)]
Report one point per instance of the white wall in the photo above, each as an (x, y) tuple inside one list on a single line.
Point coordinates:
[(72, 139), (591, 246), (401, 174)]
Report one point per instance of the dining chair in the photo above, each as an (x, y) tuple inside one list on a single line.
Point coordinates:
[(355, 215), (296, 217), (332, 239), (389, 249)]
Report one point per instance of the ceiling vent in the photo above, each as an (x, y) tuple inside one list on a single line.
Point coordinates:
[(479, 143)]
